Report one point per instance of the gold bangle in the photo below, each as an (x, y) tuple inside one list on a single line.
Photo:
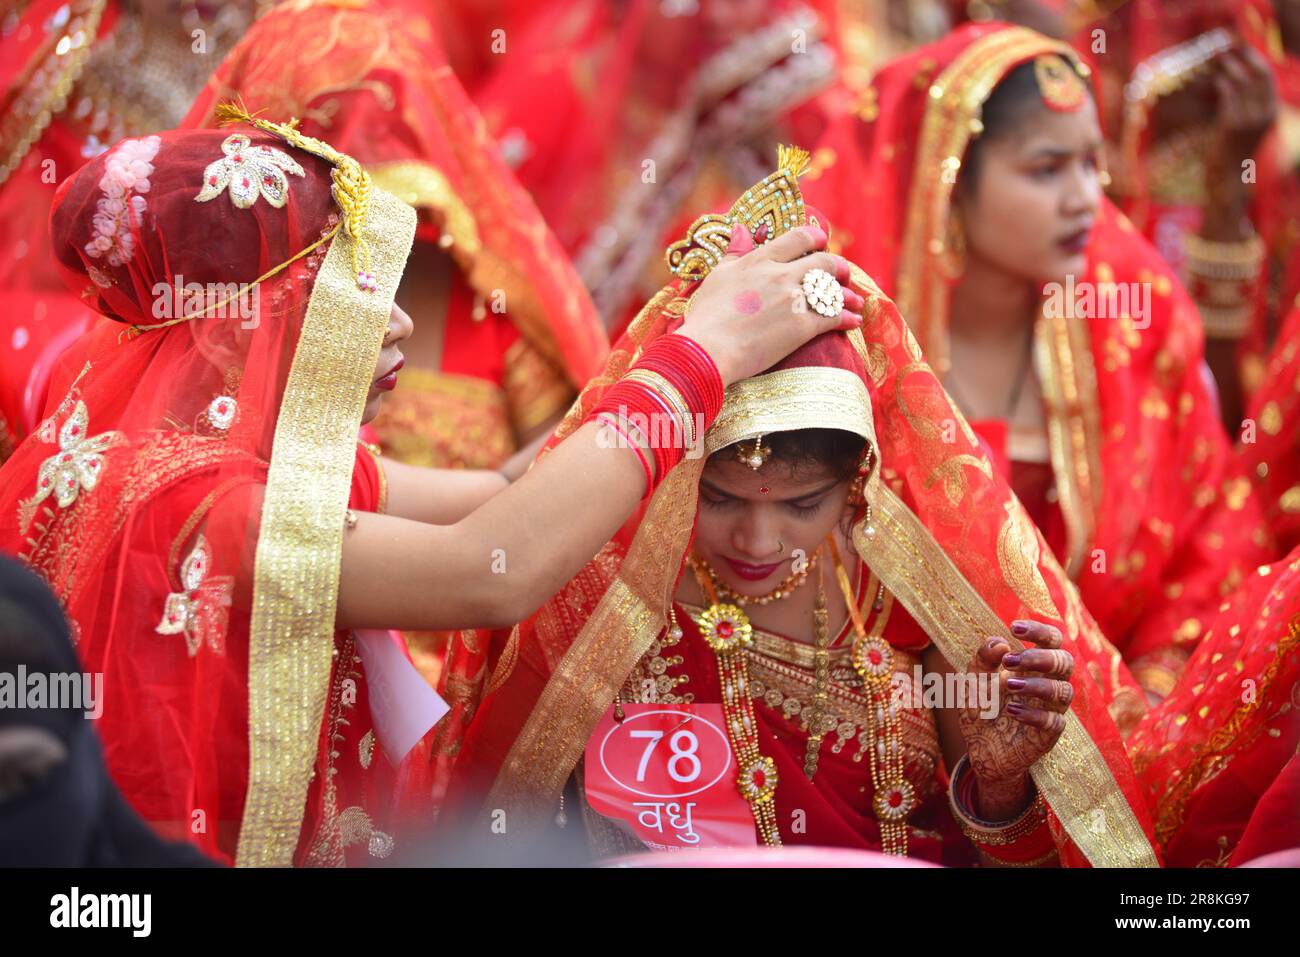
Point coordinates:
[(994, 833), (1210, 259), (1229, 323), (668, 392)]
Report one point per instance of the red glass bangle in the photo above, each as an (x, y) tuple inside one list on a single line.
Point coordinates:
[(610, 420)]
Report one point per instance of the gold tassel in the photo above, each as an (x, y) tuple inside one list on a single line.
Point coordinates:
[(793, 160), (351, 181)]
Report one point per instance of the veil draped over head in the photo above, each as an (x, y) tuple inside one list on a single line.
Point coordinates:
[(184, 494), (950, 541), (1118, 352), (372, 79)]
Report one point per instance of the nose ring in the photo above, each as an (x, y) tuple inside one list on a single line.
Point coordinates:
[(780, 547)]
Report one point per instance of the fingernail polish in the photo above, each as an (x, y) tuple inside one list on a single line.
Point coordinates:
[(1020, 628), (1014, 708), (1016, 684), (1012, 661)]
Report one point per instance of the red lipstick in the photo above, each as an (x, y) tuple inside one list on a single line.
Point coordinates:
[(388, 382), (753, 573)]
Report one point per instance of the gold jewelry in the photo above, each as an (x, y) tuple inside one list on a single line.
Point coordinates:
[(772, 206), (990, 833), (951, 251), (727, 631), (755, 456), (1061, 87), (1208, 259), (821, 680), (783, 590), (873, 659), (671, 396)]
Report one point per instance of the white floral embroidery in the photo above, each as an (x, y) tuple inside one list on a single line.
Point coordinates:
[(250, 172), (221, 412), (121, 209), (199, 610), (77, 465)]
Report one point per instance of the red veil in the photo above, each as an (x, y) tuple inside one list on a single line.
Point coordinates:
[(1152, 548), (184, 495), (624, 120), (951, 543), (372, 78), (1218, 756), (66, 71)]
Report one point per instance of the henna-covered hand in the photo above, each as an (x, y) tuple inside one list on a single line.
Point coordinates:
[(1034, 695)]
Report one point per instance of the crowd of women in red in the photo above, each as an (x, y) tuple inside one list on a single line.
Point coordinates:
[(497, 433)]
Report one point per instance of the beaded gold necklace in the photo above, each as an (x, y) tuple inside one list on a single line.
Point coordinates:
[(727, 630)]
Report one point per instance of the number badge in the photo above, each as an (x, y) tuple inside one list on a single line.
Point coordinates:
[(667, 772)]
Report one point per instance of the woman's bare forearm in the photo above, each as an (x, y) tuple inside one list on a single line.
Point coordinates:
[(438, 496), (499, 563)]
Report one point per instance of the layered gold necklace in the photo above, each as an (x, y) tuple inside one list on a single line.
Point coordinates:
[(783, 590), (727, 630)]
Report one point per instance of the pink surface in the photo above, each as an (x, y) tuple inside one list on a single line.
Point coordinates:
[(768, 857)]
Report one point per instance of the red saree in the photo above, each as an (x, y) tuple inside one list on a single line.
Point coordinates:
[(185, 494), (625, 121), (521, 335), (1151, 548), (1218, 756), (950, 543), (58, 108)]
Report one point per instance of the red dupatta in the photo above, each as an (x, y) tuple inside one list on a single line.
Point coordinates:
[(371, 77), (1151, 548), (623, 122), (185, 493), (951, 543), (65, 68)]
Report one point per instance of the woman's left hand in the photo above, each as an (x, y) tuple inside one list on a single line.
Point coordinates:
[(1033, 695)]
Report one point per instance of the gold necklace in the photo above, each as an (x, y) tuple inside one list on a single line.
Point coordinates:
[(726, 630), (782, 590), (873, 659), (821, 679)]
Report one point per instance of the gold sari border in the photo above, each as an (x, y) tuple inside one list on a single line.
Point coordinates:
[(1073, 777), (790, 399), (296, 572), (424, 186)]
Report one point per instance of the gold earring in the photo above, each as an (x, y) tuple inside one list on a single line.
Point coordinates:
[(952, 258)]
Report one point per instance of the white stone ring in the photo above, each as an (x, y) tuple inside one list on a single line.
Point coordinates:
[(823, 292)]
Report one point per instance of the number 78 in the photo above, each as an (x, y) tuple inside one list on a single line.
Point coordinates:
[(679, 754)]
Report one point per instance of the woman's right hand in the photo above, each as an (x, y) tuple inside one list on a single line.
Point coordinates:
[(749, 313)]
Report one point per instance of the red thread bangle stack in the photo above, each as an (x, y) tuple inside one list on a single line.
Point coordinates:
[(676, 379)]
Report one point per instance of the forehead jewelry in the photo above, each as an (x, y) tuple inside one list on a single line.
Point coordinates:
[(755, 455), (1059, 83)]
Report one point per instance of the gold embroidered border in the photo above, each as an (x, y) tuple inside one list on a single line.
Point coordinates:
[(423, 186), (616, 636), (789, 399), (1072, 777), (1063, 357), (955, 100), (296, 575)]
